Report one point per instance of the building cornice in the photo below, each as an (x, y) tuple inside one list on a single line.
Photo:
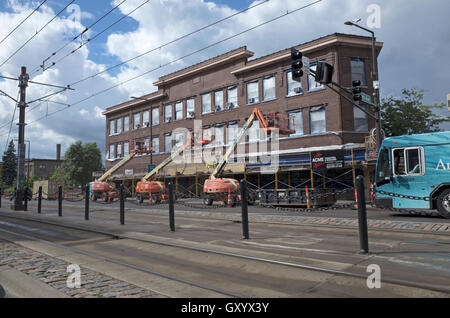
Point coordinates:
[(135, 102), (306, 48)]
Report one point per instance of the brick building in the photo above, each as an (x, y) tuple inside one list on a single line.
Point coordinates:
[(222, 92), (43, 169)]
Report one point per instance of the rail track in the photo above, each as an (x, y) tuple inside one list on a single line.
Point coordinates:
[(276, 264)]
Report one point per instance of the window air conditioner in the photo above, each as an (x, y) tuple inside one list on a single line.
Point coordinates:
[(251, 100), (297, 90), (230, 106), (217, 109), (138, 126), (168, 119), (147, 124), (190, 115)]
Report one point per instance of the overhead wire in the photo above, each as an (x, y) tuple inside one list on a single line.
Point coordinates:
[(76, 37), (37, 32), (12, 31), (180, 58)]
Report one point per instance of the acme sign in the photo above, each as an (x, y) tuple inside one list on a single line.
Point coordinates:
[(443, 166)]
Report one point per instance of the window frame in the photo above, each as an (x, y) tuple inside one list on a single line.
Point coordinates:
[(274, 87), (295, 111), (257, 92), (421, 162), (139, 121), (155, 117), (126, 127), (363, 80), (322, 86), (176, 111), (310, 121), (287, 72), (210, 103), (188, 109), (230, 88)]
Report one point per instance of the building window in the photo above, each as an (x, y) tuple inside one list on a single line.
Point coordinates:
[(155, 116), (111, 154), (168, 143), (126, 123), (317, 119), (293, 87), (253, 132), (232, 100), (312, 84), (269, 91), (155, 144), (112, 127), (119, 150), (206, 103), (357, 69), (137, 121), (218, 100), (360, 118), (252, 93), (219, 135), (190, 108), (119, 126), (232, 131), (207, 133), (126, 148), (146, 119), (298, 122), (167, 113), (179, 111), (179, 139), (147, 143)]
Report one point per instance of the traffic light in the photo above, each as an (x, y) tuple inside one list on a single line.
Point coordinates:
[(296, 65), (324, 73), (356, 90)]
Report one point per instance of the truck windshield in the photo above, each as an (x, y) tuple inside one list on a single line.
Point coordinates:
[(383, 169)]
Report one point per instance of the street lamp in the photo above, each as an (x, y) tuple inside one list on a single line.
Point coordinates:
[(375, 81), (151, 125)]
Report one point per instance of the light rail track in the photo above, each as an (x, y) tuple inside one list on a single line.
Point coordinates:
[(400, 282)]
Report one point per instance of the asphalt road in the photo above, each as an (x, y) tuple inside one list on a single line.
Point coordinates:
[(372, 213)]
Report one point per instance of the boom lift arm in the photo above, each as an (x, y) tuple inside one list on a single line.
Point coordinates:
[(168, 160), (267, 125)]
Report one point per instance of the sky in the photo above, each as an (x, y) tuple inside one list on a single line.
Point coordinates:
[(415, 33)]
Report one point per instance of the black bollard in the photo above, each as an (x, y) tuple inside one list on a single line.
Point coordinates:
[(39, 199), (60, 201), (122, 205), (171, 208), (362, 216), (25, 199), (244, 209), (86, 203), (1, 193)]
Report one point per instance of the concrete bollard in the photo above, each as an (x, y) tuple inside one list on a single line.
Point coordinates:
[(362, 216), (244, 209)]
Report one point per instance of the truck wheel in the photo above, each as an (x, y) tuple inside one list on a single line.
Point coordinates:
[(207, 201), (155, 199), (139, 198), (443, 204)]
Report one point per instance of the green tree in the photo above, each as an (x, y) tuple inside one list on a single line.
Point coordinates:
[(79, 163), (9, 170), (408, 115)]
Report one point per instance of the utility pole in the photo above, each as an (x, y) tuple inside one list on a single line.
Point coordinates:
[(23, 83)]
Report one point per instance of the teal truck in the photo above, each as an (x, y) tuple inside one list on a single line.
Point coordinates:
[(413, 172)]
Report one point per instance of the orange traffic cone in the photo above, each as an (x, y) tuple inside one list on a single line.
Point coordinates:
[(229, 203), (308, 202), (356, 199)]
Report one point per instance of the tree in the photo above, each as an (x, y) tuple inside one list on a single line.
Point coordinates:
[(79, 163), (409, 115), (9, 170)]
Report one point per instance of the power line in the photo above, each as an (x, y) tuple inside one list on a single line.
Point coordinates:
[(96, 36), (76, 37), (37, 33), (180, 58), (12, 120), (22, 22), (168, 43)]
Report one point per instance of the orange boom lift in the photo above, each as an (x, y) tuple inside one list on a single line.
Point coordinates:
[(227, 190), (154, 190), (101, 189)]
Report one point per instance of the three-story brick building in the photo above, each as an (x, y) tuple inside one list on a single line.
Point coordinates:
[(222, 92)]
